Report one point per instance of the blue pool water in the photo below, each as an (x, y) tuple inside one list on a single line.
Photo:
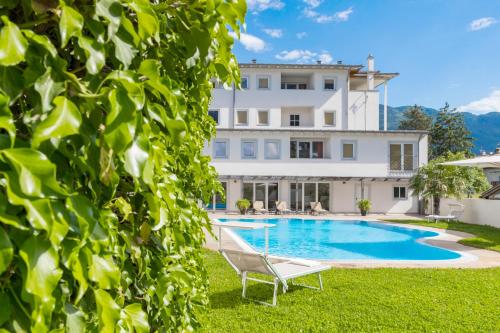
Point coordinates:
[(334, 239)]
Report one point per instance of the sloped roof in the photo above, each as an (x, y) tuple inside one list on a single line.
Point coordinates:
[(491, 192)]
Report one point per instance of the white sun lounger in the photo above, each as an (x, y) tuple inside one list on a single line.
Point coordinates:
[(436, 218), (280, 269), (247, 260), (281, 207), (258, 207)]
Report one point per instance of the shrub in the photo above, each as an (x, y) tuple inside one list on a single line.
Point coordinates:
[(364, 206), (243, 205), (103, 107)]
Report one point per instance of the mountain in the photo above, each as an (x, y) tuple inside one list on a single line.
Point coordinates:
[(485, 128)]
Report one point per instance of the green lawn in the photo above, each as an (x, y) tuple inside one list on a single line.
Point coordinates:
[(485, 237), (359, 300)]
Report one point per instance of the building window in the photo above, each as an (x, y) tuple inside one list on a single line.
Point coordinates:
[(249, 149), (242, 117), (329, 84), (215, 115), (401, 157), (272, 149), (221, 148), (263, 82), (245, 82), (293, 86), (294, 120), (348, 150), (330, 118), (263, 117), (399, 192), (306, 149)]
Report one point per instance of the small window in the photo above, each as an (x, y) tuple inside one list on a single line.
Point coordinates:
[(249, 149), (330, 118), (348, 150), (272, 149), (399, 192), (245, 82), (263, 117), (294, 120), (221, 148), (215, 115), (242, 117), (329, 84), (263, 82)]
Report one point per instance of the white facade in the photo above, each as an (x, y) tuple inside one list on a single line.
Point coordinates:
[(304, 133)]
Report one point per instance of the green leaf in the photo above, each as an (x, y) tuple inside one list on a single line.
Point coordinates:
[(48, 89), (176, 128), (34, 174), (120, 122), (11, 82), (104, 272), (42, 267), (124, 51), (6, 308), (75, 319), (148, 22), (107, 310), (44, 41), (94, 51), (13, 44), (64, 120), (150, 68), (111, 10), (6, 121), (70, 24), (6, 251), (135, 318), (136, 156)]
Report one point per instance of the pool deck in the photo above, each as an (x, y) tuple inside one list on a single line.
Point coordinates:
[(471, 257)]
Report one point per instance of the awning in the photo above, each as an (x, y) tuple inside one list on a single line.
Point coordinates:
[(485, 161)]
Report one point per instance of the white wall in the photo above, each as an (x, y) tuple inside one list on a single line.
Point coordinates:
[(476, 211), (363, 110), (492, 174)]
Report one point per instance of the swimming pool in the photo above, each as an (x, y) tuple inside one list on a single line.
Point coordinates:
[(343, 240)]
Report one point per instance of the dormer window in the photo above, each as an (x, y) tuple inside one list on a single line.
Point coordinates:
[(328, 84)]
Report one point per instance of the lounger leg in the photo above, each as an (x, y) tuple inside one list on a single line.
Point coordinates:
[(320, 282), (275, 294), (244, 283)]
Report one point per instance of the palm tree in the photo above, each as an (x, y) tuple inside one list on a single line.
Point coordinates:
[(434, 181)]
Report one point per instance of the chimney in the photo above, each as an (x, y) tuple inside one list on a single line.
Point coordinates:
[(254, 61), (339, 62), (370, 75), (318, 62)]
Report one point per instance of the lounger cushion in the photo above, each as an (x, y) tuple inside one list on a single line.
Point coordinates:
[(288, 270)]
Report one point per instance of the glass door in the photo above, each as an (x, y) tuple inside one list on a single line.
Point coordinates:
[(272, 195)]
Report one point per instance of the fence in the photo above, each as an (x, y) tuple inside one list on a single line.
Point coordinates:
[(476, 211)]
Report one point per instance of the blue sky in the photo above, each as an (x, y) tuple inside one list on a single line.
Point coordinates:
[(444, 50)]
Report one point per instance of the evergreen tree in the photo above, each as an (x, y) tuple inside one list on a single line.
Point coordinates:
[(414, 118), (449, 134)]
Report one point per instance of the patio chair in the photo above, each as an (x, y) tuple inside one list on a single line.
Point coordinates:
[(456, 211), (317, 209), (258, 207), (280, 269), (281, 207)]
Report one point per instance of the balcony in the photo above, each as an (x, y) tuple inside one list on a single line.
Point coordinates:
[(291, 81), (297, 117)]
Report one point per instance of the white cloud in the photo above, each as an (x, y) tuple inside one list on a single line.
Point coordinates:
[(325, 57), (341, 16), (482, 23), (301, 35), (487, 104), (304, 56), (313, 3), (257, 6), (250, 42), (275, 33)]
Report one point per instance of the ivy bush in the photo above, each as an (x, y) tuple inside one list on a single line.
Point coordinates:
[(103, 115)]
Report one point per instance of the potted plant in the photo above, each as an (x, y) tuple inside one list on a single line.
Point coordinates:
[(243, 205), (364, 206)]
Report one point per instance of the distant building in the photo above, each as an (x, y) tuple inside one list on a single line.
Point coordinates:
[(307, 133)]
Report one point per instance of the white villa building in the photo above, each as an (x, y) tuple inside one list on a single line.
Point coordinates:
[(306, 133)]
